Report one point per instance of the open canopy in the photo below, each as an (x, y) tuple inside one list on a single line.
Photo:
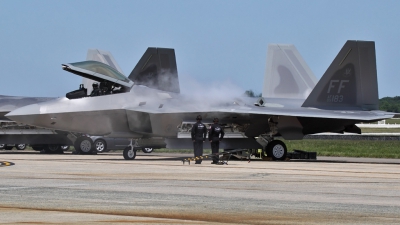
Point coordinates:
[(98, 71)]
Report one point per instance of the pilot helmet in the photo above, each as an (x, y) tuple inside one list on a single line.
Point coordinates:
[(215, 120), (198, 117), (95, 85)]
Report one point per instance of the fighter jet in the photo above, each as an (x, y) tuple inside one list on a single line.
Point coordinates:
[(148, 103), (50, 141)]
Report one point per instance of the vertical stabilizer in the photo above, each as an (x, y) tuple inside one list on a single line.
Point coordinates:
[(157, 69), (103, 57), (287, 74), (350, 81)]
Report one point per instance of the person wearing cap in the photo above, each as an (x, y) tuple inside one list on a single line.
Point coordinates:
[(199, 132), (215, 136)]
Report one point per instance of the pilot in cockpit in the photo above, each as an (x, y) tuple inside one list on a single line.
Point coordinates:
[(96, 90)]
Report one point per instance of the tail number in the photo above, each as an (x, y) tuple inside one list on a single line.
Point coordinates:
[(334, 98), (336, 86)]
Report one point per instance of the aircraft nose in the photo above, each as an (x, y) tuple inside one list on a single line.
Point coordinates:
[(25, 114)]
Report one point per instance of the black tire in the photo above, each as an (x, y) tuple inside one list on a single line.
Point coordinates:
[(8, 147), (52, 149), (129, 154), (2, 146), (84, 145), (37, 147), (147, 150), (20, 146), (277, 150), (100, 145)]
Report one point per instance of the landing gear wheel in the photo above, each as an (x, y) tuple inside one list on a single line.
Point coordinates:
[(2, 146), (84, 145), (147, 150), (37, 147), (277, 150), (129, 153), (100, 145), (20, 146)]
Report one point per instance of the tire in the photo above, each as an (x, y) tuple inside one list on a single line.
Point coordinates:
[(277, 150), (129, 154), (20, 146), (84, 145), (2, 146), (65, 147), (100, 145), (37, 147), (147, 150), (51, 149)]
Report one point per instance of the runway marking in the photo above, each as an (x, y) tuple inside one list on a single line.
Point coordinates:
[(5, 163)]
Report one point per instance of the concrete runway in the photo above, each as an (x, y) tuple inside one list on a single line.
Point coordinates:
[(158, 189)]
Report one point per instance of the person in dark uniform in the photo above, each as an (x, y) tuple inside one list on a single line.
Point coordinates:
[(215, 136), (199, 132)]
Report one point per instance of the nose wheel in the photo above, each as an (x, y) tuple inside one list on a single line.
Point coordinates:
[(129, 153)]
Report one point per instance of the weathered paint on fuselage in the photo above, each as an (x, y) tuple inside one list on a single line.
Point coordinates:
[(145, 112)]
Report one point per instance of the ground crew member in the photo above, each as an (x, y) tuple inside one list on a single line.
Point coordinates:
[(215, 136), (199, 132)]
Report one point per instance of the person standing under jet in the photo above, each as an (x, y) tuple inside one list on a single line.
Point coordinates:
[(199, 132), (215, 136)]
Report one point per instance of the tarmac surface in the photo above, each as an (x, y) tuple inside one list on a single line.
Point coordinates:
[(158, 189)]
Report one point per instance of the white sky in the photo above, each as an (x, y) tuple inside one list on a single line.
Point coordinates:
[(215, 41)]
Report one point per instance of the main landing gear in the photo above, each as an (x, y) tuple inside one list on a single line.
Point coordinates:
[(274, 149), (277, 150), (84, 145)]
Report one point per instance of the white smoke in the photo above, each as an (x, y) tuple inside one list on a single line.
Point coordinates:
[(213, 93)]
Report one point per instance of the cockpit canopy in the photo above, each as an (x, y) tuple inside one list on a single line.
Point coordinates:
[(110, 81), (99, 72)]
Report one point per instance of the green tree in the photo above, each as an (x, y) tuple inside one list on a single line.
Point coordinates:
[(250, 93), (390, 104)]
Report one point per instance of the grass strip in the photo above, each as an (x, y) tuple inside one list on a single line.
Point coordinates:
[(380, 130), (348, 148)]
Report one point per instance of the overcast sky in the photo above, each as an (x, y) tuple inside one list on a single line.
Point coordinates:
[(215, 42)]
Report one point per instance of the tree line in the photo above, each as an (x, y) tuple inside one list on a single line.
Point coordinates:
[(390, 104)]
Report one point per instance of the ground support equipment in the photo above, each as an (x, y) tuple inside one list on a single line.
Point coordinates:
[(224, 156)]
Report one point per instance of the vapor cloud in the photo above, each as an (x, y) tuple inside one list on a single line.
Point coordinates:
[(211, 92)]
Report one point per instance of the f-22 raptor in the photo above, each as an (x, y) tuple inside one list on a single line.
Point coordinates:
[(148, 103)]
